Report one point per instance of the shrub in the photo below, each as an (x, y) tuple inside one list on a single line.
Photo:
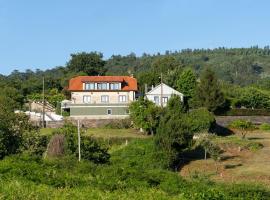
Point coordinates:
[(200, 120), (34, 143), (265, 127), (243, 125), (93, 151), (172, 138)]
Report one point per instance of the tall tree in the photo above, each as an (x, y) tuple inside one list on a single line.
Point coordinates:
[(187, 83), (90, 63), (209, 92)]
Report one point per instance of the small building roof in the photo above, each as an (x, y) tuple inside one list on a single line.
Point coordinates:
[(76, 83), (167, 90)]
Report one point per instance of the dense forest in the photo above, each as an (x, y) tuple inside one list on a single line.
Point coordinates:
[(241, 72)]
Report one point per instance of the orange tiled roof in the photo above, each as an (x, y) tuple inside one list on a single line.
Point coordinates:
[(76, 83)]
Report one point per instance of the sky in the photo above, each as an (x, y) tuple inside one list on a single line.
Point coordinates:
[(37, 34)]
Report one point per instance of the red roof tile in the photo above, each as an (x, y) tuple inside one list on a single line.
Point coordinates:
[(76, 83)]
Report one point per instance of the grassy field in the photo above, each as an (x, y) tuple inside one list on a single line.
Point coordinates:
[(243, 160)]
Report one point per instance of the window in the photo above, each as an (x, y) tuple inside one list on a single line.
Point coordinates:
[(114, 86), (89, 86), (122, 98), (164, 99), (102, 86), (156, 99), (109, 111), (99, 86), (104, 98), (86, 99)]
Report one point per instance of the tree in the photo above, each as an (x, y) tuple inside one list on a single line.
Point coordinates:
[(209, 92), (251, 97), (145, 114), (172, 139), (173, 133), (204, 140), (12, 127), (187, 83), (165, 64), (90, 63), (243, 125)]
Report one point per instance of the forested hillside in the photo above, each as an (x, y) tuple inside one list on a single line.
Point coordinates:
[(236, 68)]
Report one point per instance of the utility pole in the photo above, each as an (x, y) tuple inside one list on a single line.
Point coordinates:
[(161, 91), (43, 103), (145, 90), (79, 141)]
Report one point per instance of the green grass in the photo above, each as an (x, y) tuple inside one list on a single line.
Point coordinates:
[(46, 131), (234, 140), (133, 173)]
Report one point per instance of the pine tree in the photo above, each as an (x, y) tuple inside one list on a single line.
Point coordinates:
[(209, 92)]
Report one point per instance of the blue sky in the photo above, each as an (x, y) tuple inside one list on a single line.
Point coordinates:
[(42, 34)]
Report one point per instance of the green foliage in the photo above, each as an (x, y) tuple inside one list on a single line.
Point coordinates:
[(145, 114), (34, 143), (90, 63), (131, 174), (91, 149), (173, 133), (265, 127), (243, 125), (53, 97), (209, 92), (254, 98), (187, 83), (165, 64), (200, 120), (12, 127)]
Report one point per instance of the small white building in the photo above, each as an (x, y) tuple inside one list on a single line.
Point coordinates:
[(162, 91)]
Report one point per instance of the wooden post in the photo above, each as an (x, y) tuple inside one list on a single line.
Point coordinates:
[(145, 90), (79, 141), (43, 106)]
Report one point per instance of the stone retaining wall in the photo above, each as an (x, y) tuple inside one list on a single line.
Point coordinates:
[(226, 120), (88, 123)]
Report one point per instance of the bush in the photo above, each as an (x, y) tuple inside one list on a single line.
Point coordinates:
[(119, 124), (243, 125), (265, 127), (34, 143), (93, 151), (200, 120)]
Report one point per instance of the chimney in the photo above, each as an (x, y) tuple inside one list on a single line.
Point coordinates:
[(152, 87)]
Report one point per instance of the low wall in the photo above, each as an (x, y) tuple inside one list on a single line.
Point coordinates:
[(226, 120), (88, 123)]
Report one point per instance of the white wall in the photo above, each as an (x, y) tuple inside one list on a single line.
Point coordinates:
[(77, 97)]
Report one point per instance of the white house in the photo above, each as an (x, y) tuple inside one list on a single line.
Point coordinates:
[(164, 92)]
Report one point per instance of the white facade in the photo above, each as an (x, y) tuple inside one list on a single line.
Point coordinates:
[(97, 97), (165, 91)]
